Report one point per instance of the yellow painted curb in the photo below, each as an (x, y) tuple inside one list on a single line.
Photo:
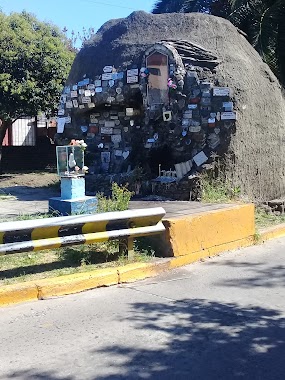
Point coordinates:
[(207, 230), (272, 232), (13, 294), (202, 254), (75, 283)]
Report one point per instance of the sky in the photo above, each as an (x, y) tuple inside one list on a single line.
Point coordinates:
[(76, 14)]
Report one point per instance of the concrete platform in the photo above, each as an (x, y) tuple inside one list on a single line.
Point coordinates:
[(12, 208), (175, 209)]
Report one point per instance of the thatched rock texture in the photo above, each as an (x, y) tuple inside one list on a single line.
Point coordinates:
[(255, 159)]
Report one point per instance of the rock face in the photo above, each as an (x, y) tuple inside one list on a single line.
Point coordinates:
[(171, 92)]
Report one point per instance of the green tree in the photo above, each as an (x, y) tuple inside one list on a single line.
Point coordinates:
[(215, 7), (261, 20), (35, 58)]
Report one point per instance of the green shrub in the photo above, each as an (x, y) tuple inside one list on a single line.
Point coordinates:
[(119, 200), (216, 190)]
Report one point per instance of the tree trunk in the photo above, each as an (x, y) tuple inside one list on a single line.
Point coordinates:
[(4, 125)]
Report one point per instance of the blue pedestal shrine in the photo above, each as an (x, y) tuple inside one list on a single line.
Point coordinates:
[(73, 199)]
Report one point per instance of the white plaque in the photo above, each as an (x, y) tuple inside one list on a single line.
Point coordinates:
[(86, 99), (87, 93), (221, 91), (108, 69), (228, 116), (188, 114), (60, 112), (106, 131), (228, 106), (60, 124), (107, 76), (195, 128), (132, 72), (69, 104), (200, 158), (73, 94), (133, 79), (116, 138), (129, 111), (110, 123)]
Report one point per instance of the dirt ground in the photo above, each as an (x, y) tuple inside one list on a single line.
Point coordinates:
[(32, 179)]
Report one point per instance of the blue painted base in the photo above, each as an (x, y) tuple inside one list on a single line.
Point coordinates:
[(64, 207), (72, 187)]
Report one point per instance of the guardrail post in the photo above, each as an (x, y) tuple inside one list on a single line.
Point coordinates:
[(126, 247)]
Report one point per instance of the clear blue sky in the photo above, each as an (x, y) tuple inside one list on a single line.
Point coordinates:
[(76, 14)]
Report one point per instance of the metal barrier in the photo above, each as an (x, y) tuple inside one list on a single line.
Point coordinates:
[(56, 232)]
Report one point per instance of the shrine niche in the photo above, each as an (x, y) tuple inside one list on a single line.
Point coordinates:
[(158, 74), (167, 104)]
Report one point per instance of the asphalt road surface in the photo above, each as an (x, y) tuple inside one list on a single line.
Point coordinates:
[(219, 319)]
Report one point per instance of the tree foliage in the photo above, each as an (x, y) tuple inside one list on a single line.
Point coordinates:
[(215, 7), (35, 58), (261, 20)]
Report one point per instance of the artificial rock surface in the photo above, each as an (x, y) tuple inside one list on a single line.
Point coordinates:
[(213, 77)]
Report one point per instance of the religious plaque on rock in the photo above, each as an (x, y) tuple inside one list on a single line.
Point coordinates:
[(116, 139), (86, 99), (221, 91), (228, 106), (228, 116), (106, 130), (107, 76), (108, 69), (98, 83), (109, 123)]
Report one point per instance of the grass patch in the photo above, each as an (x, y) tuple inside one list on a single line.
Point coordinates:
[(262, 219), (28, 266), (217, 191), (4, 195)]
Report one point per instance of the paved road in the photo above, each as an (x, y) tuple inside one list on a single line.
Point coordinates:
[(220, 319)]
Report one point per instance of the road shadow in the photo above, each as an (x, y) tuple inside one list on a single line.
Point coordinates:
[(26, 193), (203, 340), (259, 274), (190, 339)]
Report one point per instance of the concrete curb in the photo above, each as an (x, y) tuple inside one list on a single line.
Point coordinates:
[(75, 283)]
